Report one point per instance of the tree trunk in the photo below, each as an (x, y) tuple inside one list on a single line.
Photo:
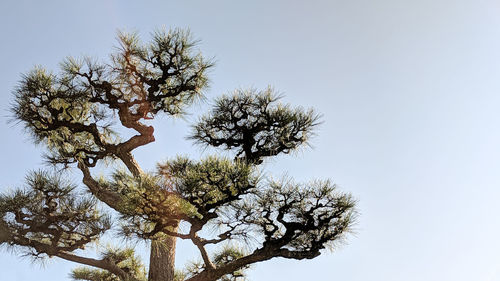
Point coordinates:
[(162, 259)]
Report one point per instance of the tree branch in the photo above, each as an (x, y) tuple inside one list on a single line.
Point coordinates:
[(206, 259), (105, 264), (112, 199)]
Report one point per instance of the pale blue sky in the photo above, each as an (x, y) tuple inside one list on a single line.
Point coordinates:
[(410, 93)]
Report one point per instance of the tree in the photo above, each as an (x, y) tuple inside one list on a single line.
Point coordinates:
[(225, 207)]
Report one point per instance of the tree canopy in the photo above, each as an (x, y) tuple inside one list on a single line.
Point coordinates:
[(81, 115)]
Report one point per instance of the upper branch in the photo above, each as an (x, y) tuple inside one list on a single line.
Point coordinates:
[(255, 125), (73, 112)]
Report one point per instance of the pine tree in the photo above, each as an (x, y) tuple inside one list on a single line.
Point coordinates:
[(226, 207)]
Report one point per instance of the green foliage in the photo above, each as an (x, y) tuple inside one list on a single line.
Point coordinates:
[(227, 255), (181, 190), (179, 275), (47, 216), (255, 125), (210, 183), (168, 71), (125, 259), (213, 202), (86, 273), (72, 112), (149, 203), (300, 218), (224, 256), (58, 113)]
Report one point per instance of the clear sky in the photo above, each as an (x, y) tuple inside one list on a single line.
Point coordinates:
[(410, 96)]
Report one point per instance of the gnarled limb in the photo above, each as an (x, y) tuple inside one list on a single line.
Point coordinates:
[(102, 264), (107, 196)]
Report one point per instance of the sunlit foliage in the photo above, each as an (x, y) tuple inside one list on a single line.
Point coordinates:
[(228, 207)]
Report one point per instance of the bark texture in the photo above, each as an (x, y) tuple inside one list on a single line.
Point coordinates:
[(162, 259)]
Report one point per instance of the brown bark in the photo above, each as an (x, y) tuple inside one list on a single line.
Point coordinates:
[(112, 199), (214, 274), (162, 259), (104, 264)]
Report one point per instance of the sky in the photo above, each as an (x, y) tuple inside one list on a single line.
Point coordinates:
[(410, 97)]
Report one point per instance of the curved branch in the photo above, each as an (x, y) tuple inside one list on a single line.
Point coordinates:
[(206, 259), (105, 264), (112, 199)]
